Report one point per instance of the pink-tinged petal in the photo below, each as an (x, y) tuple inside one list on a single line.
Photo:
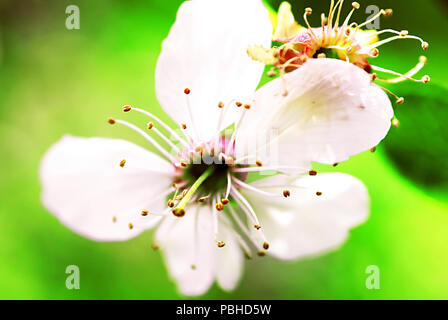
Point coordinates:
[(189, 249), (85, 187), (325, 111), (307, 224), (205, 51)]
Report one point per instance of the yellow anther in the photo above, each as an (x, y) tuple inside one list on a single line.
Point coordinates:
[(355, 5), (224, 201), (265, 246), (144, 213), (179, 212), (131, 226), (221, 244), (170, 203), (400, 101), (395, 122), (122, 163), (127, 108), (150, 125), (219, 206), (155, 246)]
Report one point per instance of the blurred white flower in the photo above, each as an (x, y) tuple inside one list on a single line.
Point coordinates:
[(207, 214)]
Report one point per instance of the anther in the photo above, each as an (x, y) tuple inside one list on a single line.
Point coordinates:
[(221, 104), (375, 52), (144, 213), (183, 164), (261, 253), (423, 59), (388, 12), (355, 5), (247, 106), (373, 149), (308, 11), (265, 246), (286, 193), (400, 101), (131, 226), (187, 91), (224, 201), (259, 163), (122, 163), (193, 267), (425, 45), (170, 203), (219, 206), (155, 246), (111, 120), (395, 122), (114, 219), (318, 193), (238, 104), (179, 212), (404, 33), (335, 164), (257, 226), (184, 126), (150, 125), (312, 172), (321, 55), (271, 73), (221, 244), (426, 79), (127, 108), (373, 76), (247, 255)]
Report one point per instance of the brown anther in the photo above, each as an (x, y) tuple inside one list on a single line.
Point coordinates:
[(221, 104), (312, 172), (221, 244), (144, 213), (321, 56), (271, 73), (373, 76), (170, 203), (261, 253), (111, 120), (174, 185), (257, 226), (126, 108), (425, 45), (187, 91), (259, 163), (179, 212), (130, 225), (122, 163), (247, 106), (219, 206), (184, 126), (355, 5), (308, 11), (375, 52), (318, 193), (348, 32), (114, 219), (335, 164), (373, 149), (426, 79), (224, 201), (183, 164), (404, 33), (286, 193), (265, 246), (400, 101), (155, 246), (395, 122), (150, 125), (202, 199), (388, 12), (238, 104)]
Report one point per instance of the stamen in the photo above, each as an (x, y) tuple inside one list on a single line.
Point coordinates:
[(245, 205), (254, 189), (267, 168), (395, 122), (148, 138), (122, 163), (144, 213), (243, 228), (308, 11), (161, 135), (402, 77), (312, 172), (286, 193), (155, 246), (190, 114), (163, 124), (229, 184)]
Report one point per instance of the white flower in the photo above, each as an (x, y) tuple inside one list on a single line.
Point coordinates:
[(207, 214)]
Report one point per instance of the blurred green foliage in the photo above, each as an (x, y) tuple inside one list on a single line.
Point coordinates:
[(54, 81)]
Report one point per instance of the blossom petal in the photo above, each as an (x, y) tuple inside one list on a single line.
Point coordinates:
[(205, 51), (306, 224), (325, 111), (230, 260), (189, 249), (87, 190)]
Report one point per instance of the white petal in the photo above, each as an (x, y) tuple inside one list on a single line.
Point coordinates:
[(331, 111), (85, 187), (306, 224), (230, 258), (205, 51), (189, 241)]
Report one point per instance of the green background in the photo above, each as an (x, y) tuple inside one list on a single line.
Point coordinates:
[(55, 81)]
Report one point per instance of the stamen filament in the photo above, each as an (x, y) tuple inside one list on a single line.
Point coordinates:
[(254, 189), (148, 138)]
